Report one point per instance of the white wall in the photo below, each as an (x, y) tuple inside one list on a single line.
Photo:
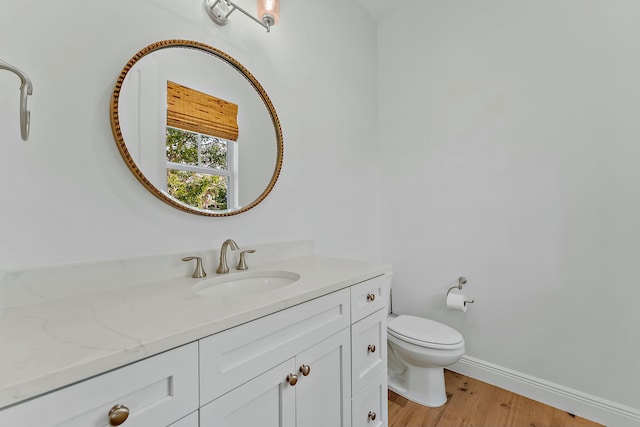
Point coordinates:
[(509, 137), (509, 154), (67, 196)]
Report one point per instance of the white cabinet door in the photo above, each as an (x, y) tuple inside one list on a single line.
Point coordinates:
[(266, 401), (323, 397)]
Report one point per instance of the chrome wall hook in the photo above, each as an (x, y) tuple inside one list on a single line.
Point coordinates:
[(26, 88)]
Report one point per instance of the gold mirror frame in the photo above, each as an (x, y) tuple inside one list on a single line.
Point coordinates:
[(133, 167)]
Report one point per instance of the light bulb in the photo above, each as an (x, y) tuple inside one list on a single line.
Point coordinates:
[(269, 11)]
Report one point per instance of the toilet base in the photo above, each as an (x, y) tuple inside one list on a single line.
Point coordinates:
[(421, 385)]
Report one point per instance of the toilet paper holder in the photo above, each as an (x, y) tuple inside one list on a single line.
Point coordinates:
[(461, 281)]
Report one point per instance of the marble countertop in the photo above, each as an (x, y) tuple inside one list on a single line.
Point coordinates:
[(55, 342)]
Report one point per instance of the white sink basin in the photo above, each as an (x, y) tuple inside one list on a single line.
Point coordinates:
[(247, 282)]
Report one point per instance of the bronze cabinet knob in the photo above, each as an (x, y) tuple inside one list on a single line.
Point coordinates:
[(372, 348), (372, 415), (118, 415), (305, 370), (371, 297), (292, 379)]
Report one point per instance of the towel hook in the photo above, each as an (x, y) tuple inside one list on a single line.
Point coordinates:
[(26, 89)]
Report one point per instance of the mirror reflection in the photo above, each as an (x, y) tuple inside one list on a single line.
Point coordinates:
[(196, 128)]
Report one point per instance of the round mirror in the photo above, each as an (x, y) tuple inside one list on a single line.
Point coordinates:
[(196, 128)]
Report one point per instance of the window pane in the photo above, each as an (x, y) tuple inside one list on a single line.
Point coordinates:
[(214, 152), (182, 147), (197, 189)]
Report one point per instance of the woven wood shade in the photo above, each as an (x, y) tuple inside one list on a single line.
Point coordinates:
[(195, 111)]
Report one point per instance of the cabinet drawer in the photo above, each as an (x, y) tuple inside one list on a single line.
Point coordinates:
[(369, 408), (368, 349), (157, 391), (369, 296), (235, 356)]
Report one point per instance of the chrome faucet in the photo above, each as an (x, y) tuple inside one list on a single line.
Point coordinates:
[(222, 266)]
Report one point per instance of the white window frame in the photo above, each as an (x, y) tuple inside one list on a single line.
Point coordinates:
[(232, 165)]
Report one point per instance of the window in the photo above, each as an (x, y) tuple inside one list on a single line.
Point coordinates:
[(201, 169)]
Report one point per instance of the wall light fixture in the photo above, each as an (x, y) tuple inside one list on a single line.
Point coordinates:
[(219, 11)]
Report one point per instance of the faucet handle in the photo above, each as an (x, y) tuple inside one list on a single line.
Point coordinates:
[(199, 271), (242, 264)]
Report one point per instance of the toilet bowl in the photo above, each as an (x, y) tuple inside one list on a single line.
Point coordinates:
[(419, 350)]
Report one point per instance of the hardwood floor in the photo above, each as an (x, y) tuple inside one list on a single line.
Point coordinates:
[(472, 403)]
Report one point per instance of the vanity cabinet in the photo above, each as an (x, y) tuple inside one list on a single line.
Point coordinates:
[(316, 364), (340, 338), (157, 391)]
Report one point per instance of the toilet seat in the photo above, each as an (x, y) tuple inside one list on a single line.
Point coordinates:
[(424, 332)]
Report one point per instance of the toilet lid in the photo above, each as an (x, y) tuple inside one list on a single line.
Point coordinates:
[(424, 330)]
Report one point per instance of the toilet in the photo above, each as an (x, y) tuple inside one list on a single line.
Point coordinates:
[(419, 350)]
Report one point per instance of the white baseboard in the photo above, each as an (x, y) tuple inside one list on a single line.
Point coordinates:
[(584, 405)]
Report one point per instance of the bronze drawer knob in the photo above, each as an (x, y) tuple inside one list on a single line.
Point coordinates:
[(118, 415)]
